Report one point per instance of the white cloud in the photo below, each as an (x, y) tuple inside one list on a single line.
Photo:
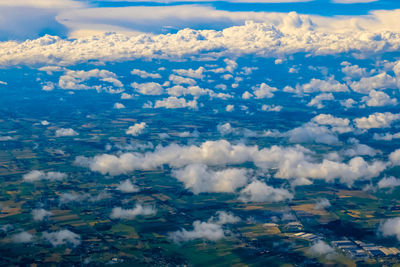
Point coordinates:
[(36, 175), (379, 99), (353, 1), (264, 91), (211, 230), (317, 85), (394, 157), (66, 132), (40, 214), (74, 80), (386, 136), (322, 204), (229, 108), (181, 80), (390, 227), (23, 237), (271, 108), (136, 129), (173, 102), (150, 88), (258, 191), (377, 82), (144, 74), (198, 178), (317, 100), (320, 248), (310, 133), (119, 106), (191, 73), (127, 187), (62, 237), (129, 214), (377, 120), (388, 182)]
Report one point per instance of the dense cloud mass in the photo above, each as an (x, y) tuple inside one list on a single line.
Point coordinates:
[(281, 34), (290, 162)]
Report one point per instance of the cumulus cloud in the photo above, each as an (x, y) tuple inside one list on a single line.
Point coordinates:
[(271, 108), (388, 182), (322, 204), (40, 214), (173, 102), (390, 227), (129, 214), (379, 99), (339, 125), (198, 178), (191, 73), (317, 85), (377, 82), (66, 132), (74, 80), (264, 91), (62, 237), (316, 101), (258, 191), (127, 187), (321, 248), (136, 129), (36, 175), (119, 106), (211, 230), (386, 136), (144, 74), (311, 132), (77, 197), (394, 157), (289, 162), (23, 237), (376, 120), (278, 34), (150, 88)]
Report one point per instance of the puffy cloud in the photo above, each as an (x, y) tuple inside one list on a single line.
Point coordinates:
[(151, 88), (36, 175), (258, 191), (62, 237), (66, 132), (386, 136), (317, 100), (127, 187), (264, 91), (376, 120), (390, 227), (211, 230), (360, 150), (271, 108), (394, 157), (23, 237), (247, 95), (279, 34), (73, 80), (322, 204), (337, 124), (136, 129), (196, 74), (290, 163), (173, 102), (377, 82), (119, 106), (181, 80), (388, 182), (379, 99), (320, 248), (353, 71), (129, 214), (144, 74), (40, 214), (195, 91), (229, 108), (310, 133), (348, 103), (317, 85), (198, 178)]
